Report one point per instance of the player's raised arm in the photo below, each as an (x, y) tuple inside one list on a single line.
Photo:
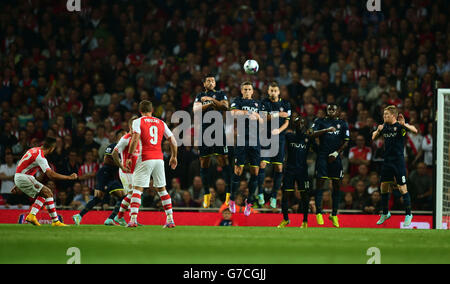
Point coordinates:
[(377, 132), (409, 127), (54, 175)]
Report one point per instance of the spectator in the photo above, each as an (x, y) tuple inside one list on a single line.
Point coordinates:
[(176, 193), (363, 175), (347, 203), (359, 155), (7, 171), (227, 219), (196, 191), (373, 204), (374, 183), (360, 196), (420, 186), (187, 200)]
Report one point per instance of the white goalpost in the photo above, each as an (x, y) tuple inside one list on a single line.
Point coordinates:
[(442, 172)]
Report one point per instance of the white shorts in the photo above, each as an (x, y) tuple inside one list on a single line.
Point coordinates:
[(127, 180), (149, 169), (28, 184)]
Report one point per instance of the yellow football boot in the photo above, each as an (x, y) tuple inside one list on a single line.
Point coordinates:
[(32, 219)]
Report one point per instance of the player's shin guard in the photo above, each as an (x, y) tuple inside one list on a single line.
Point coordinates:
[(385, 202), (116, 209), (50, 204), (285, 205), (124, 205), (204, 174), (135, 204), (261, 177), (277, 176), (319, 198), (407, 203), (252, 186), (234, 186), (94, 201), (37, 205), (167, 204), (336, 198)]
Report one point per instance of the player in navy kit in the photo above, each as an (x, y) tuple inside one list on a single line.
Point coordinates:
[(334, 136), (212, 100), (393, 170), (250, 152), (107, 181), (274, 107), (298, 146)]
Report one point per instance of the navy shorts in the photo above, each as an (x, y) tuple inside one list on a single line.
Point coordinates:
[(301, 177), (247, 154), (394, 171), (327, 170), (106, 180), (279, 158), (207, 151)]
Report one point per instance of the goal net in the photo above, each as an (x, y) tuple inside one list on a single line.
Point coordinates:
[(442, 185)]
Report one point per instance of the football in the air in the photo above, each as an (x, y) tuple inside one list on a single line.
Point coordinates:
[(251, 66)]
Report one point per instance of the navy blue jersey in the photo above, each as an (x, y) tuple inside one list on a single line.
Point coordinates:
[(298, 145), (251, 106), (331, 141), (276, 107), (394, 141), (109, 151), (218, 95)]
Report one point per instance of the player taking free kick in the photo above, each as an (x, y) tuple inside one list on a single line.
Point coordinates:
[(33, 160), (393, 169), (149, 131)]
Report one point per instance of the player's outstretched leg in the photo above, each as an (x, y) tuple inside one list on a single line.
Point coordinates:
[(234, 187), (305, 208), (78, 217), (277, 177), (110, 220), (50, 204), (124, 205), (384, 204), (285, 208), (134, 207), (167, 205), (205, 176), (261, 177), (407, 203), (335, 195), (37, 205), (253, 184)]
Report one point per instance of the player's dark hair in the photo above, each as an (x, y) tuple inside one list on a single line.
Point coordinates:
[(209, 75), (145, 107), (49, 143), (274, 85), (246, 83)]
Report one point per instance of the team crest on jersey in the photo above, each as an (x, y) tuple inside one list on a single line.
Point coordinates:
[(256, 104), (395, 128), (338, 126), (214, 96), (281, 109), (306, 140)]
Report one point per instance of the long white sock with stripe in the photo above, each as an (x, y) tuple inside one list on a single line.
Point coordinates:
[(37, 205), (50, 204), (124, 205), (135, 204), (167, 204)]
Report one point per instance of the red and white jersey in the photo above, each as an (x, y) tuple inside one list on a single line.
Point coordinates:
[(151, 130), (32, 161), (123, 147), (88, 168)]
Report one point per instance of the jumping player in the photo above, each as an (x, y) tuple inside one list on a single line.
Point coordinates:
[(249, 108), (122, 149), (106, 182), (24, 180), (149, 131), (212, 100), (274, 107), (298, 145), (393, 170), (334, 136)]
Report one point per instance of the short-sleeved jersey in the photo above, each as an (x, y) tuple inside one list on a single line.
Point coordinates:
[(298, 145), (331, 141), (276, 107), (32, 161), (123, 147), (151, 131), (218, 95), (251, 106), (394, 141)]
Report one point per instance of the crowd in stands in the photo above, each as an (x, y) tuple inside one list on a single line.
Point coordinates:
[(79, 76)]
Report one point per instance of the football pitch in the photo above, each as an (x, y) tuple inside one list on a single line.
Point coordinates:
[(219, 245)]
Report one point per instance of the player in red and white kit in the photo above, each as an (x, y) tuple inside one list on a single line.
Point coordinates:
[(149, 131), (24, 180), (126, 177)]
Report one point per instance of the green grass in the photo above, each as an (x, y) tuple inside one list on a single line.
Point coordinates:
[(232, 245)]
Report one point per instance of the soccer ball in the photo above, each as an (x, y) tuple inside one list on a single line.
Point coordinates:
[(251, 66)]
